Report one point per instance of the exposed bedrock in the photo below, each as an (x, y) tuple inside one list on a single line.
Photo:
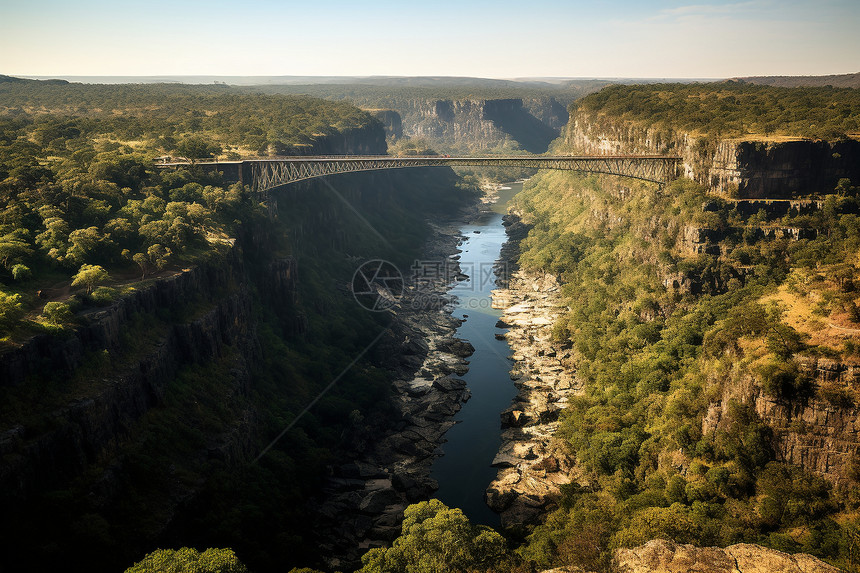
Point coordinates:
[(745, 169)]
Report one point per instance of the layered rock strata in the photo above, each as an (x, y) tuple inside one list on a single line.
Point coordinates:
[(820, 433)]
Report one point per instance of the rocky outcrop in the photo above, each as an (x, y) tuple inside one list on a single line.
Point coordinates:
[(452, 121), (744, 169), (702, 240), (532, 463), (776, 208), (662, 556), (51, 356), (366, 140), (785, 169), (391, 122)]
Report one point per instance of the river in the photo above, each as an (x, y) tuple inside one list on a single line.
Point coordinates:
[(464, 472)]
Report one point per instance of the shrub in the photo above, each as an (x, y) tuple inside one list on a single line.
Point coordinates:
[(21, 272), (10, 310), (57, 312), (104, 295)]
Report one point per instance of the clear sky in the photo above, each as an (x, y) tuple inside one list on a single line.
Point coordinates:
[(485, 38)]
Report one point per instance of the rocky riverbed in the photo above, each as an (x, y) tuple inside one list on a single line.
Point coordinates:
[(532, 463), (362, 501)]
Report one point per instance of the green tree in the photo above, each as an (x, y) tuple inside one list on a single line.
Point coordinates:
[(54, 240), (194, 147), (13, 248), (843, 187), (90, 275), (21, 272), (82, 243), (158, 255), (142, 261)]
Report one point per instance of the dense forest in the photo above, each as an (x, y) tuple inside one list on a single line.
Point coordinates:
[(733, 109), (156, 117), (837, 81)]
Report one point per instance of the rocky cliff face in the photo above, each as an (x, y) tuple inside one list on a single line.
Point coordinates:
[(391, 122), (368, 140), (821, 433), (745, 169), (663, 556), (46, 356), (452, 121), (548, 110), (47, 451)]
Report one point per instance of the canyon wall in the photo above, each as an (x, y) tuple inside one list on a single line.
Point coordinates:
[(483, 124), (43, 454), (816, 433), (391, 122)]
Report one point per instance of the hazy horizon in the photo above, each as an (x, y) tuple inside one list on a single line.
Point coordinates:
[(549, 39), (251, 80)]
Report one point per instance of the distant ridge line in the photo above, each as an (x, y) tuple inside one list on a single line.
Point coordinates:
[(836, 80)]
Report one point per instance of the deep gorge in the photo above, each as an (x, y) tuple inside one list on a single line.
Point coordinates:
[(683, 357)]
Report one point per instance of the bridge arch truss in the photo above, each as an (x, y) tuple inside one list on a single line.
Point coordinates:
[(265, 174)]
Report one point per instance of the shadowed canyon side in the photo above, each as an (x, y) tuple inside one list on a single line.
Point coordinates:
[(134, 423)]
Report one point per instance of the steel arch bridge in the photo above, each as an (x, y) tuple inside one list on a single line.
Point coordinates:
[(265, 174)]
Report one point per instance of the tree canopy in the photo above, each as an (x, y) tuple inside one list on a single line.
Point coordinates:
[(188, 560), (436, 538), (733, 109)]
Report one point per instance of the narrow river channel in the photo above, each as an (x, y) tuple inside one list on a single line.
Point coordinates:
[(464, 472)]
